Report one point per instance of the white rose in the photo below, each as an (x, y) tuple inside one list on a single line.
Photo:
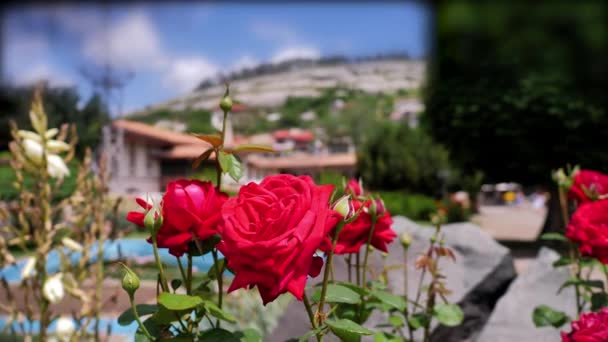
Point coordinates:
[(53, 288)]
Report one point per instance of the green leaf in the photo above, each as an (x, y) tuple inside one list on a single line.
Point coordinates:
[(253, 148), (543, 316), (381, 336), (236, 171), (338, 294), (249, 335), (222, 335), (553, 237), (563, 261), (450, 315), (225, 161), (308, 335), (166, 316), (347, 330), (599, 300), (127, 317), (418, 321), (153, 328), (176, 283), (396, 321), (218, 335), (230, 165), (173, 301), (216, 312), (394, 301), (586, 283)]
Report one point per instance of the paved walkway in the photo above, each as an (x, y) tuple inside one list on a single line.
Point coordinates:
[(522, 223)]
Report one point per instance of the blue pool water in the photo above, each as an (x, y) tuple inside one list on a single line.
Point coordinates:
[(113, 251), (116, 329)]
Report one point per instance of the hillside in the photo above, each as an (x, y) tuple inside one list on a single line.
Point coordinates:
[(271, 90)]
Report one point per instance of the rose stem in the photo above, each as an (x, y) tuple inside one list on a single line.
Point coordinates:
[(189, 283), (328, 266), (572, 250), (365, 258), (163, 279), (219, 274), (141, 325), (181, 270), (406, 294), (347, 257), (369, 240), (358, 268), (311, 316)]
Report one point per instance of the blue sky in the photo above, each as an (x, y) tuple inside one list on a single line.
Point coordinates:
[(172, 47)]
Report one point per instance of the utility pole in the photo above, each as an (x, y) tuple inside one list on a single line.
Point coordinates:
[(104, 78)]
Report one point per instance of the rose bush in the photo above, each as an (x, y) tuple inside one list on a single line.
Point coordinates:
[(587, 185), (590, 327), (355, 234), (271, 231), (191, 211), (589, 229)]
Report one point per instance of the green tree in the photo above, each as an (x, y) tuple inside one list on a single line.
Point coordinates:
[(394, 156), (518, 89)]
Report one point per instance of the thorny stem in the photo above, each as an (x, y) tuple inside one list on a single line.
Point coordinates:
[(311, 316), (328, 266), (369, 240), (181, 270), (163, 279), (406, 312), (189, 279), (350, 266), (141, 325), (219, 275), (575, 269), (358, 267)]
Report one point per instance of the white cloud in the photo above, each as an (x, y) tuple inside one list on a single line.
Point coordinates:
[(294, 52), (274, 32), (132, 42), (43, 71), (185, 74), (245, 62)]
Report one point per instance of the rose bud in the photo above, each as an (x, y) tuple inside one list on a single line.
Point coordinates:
[(130, 282), (226, 103), (344, 207), (406, 240)]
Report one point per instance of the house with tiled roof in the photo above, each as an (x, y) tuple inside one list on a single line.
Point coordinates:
[(144, 158)]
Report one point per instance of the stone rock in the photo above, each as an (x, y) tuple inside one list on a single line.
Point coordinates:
[(538, 284), (480, 275)]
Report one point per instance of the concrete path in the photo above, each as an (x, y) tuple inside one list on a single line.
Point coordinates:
[(505, 223)]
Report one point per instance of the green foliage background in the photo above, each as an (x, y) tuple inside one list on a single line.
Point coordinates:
[(517, 89)]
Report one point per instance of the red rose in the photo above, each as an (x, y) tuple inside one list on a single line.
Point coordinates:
[(589, 228), (587, 185), (591, 327), (136, 216), (191, 210), (355, 234), (271, 231), (354, 188)]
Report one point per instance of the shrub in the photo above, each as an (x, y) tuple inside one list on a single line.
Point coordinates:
[(417, 207)]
